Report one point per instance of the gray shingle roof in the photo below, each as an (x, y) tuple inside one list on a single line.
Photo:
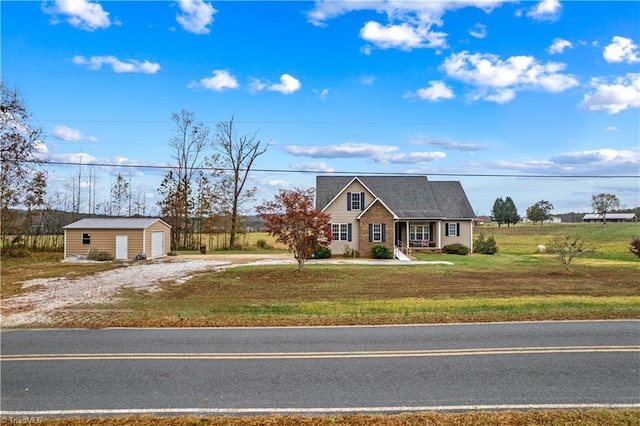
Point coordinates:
[(410, 197), (113, 223)]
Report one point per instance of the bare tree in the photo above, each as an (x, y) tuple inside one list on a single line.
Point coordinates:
[(188, 144), (21, 166), (119, 195), (235, 156)]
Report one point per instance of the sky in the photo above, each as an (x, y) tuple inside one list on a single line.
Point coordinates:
[(532, 100)]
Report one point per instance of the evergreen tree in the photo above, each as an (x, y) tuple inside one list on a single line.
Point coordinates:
[(510, 212)]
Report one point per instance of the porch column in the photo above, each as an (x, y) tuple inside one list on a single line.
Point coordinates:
[(439, 234), (407, 224)]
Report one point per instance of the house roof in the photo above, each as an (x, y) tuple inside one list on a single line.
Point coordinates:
[(114, 223), (409, 197)]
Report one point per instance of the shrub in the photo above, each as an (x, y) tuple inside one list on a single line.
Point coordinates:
[(485, 246), (16, 251), (381, 252), (100, 256), (567, 247), (635, 246), (323, 252), (456, 249), (262, 243)]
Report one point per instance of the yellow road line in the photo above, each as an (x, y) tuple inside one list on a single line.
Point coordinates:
[(319, 355)]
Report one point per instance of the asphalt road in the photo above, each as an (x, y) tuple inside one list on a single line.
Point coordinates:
[(320, 370)]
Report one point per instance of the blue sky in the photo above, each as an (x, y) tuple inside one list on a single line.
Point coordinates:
[(456, 90)]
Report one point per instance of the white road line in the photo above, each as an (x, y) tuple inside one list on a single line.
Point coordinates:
[(321, 410), (319, 355)]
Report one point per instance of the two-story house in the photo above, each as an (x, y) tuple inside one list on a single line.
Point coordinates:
[(396, 211)]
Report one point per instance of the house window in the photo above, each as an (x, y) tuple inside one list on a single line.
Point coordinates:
[(86, 239), (453, 229), (419, 232), (341, 231), (376, 232), (355, 201)]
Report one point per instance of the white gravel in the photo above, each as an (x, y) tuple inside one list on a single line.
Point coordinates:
[(52, 294)]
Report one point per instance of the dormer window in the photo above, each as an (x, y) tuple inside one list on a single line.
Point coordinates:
[(355, 200)]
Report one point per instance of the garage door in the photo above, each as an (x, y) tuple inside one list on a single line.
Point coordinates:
[(157, 243)]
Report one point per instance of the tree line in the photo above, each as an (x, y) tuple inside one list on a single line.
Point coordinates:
[(192, 201), (504, 211)]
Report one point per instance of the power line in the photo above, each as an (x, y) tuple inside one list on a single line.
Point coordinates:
[(399, 123), (211, 169)]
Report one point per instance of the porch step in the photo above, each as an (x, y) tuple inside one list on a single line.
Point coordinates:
[(400, 255)]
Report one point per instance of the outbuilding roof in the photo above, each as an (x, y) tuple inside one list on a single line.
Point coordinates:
[(114, 223), (409, 197), (610, 216)]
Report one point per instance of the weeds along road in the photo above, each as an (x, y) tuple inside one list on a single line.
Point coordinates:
[(321, 370)]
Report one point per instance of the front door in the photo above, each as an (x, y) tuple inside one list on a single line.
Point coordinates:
[(122, 252)]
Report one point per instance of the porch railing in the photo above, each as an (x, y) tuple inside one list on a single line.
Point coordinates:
[(404, 248)]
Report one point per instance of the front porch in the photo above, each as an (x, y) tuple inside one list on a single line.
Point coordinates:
[(419, 236)]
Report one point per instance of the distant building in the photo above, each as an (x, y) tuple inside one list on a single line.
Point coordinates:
[(611, 217), (552, 219)]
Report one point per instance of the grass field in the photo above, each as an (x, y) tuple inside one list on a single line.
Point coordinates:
[(515, 284)]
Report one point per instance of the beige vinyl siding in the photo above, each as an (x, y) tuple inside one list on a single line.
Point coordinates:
[(339, 214), (465, 237), (102, 240), (158, 226)]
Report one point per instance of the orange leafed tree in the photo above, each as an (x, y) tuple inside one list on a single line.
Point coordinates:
[(292, 218)]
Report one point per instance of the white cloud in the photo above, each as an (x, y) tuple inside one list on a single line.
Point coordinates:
[(288, 84), (546, 10), (69, 134), (345, 150), (612, 129), (621, 49), (318, 166), (322, 94), (256, 85), (424, 11), (411, 157), (598, 162), (445, 143), (403, 36), (196, 16), (409, 23), (376, 153), (435, 91), (498, 80), (478, 31), (220, 81), (614, 97), (118, 66), (559, 45), (618, 160), (81, 14), (367, 80), (41, 147)]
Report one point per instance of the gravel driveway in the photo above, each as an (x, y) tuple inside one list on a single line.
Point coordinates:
[(47, 295)]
